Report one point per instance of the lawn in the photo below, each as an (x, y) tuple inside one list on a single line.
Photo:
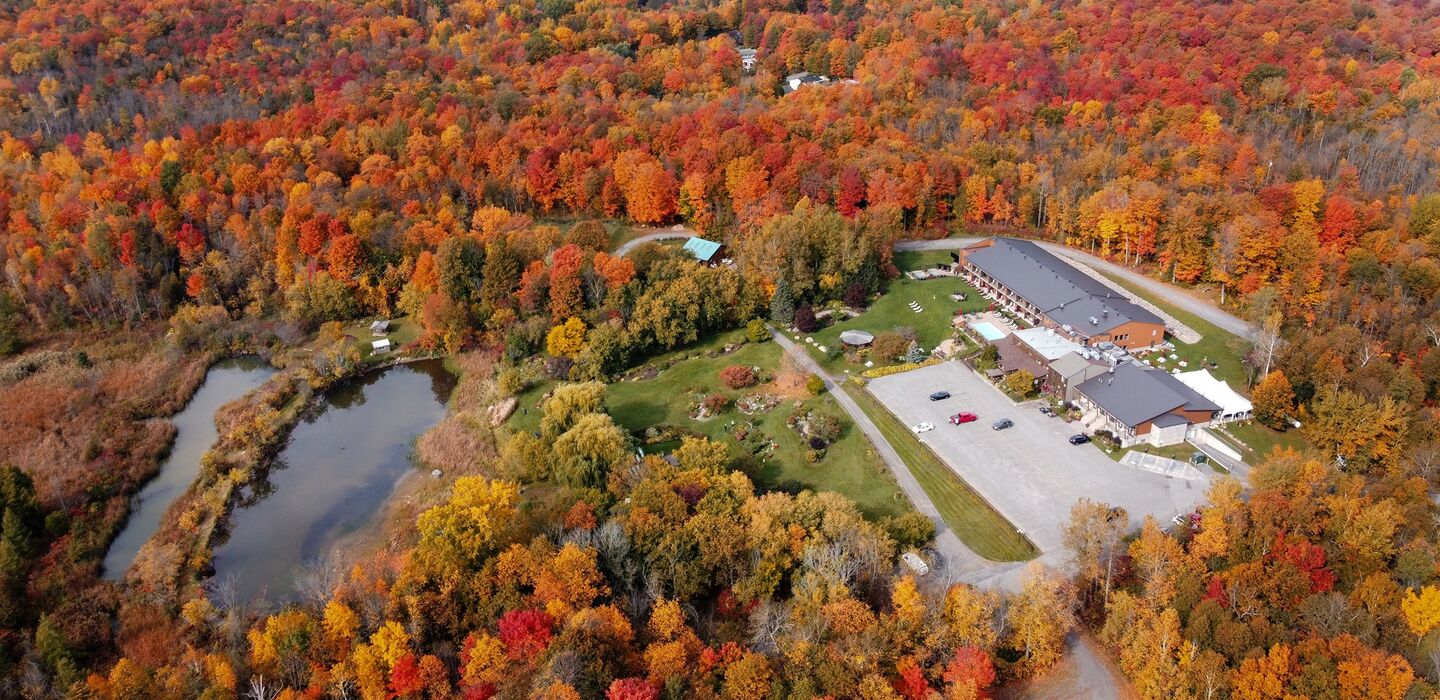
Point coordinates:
[(906, 260), (1224, 348), (620, 232), (850, 467), (403, 331), (979, 526), (1258, 440), (892, 310)]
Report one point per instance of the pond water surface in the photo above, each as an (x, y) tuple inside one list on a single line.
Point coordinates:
[(341, 464), (195, 433)]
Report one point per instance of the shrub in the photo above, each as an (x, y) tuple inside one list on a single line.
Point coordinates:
[(805, 319), (890, 345), (856, 296), (1021, 383), (590, 235), (756, 332), (814, 384), (825, 427), (910, 530), (814, 456), (896, 369), (737, 376), (716, 403)]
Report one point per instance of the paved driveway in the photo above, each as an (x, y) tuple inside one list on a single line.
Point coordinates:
[(1030, 473)]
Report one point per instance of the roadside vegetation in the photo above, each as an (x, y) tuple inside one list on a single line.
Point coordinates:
[(974, 521)]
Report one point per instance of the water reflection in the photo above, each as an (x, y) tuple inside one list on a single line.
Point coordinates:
[(335, 474), (226, 381)]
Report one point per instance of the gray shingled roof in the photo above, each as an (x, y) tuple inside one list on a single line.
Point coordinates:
[(1070, 364), (1067, 295), (1134, 394)]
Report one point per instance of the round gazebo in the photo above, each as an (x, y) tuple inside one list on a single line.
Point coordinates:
[(857, 338)]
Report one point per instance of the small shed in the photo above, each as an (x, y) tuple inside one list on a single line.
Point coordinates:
[(857, 338), (381, 347), (380, 328), (703, 250)]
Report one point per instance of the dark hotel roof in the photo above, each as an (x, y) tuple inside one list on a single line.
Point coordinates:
[(1068, 296), (1134, 394)]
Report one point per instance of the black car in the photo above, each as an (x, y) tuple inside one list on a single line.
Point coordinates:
[(940, 396), (1002, 424), (1079, 439)]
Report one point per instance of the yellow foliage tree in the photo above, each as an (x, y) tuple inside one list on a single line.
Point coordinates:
[(566, 339), (909, 605), (1421, 609), (462, 531)]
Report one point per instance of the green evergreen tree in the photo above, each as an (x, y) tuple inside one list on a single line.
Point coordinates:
[(782, 304)]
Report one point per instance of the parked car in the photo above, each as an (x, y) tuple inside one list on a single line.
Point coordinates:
[(940, 396), (923, 428), (959, 418), (1002, 424), (1079, 439)]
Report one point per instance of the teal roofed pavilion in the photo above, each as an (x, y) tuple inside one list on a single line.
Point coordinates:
[(703, 250)]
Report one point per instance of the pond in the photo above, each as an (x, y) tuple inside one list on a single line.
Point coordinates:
[(341, 464), (195, 433)]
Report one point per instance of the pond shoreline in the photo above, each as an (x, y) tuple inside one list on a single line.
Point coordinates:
[(177, 560), (179, 463)]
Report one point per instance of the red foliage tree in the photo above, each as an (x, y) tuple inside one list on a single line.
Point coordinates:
[(405, 678), (526, 633), (565, 297), (911, 682), (970, 665), (850, 195), (631, 689), (737, 376), (191, 242)]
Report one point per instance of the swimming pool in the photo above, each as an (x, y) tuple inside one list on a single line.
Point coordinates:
[(987, 330)]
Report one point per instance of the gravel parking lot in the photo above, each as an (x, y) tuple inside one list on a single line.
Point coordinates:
[(1030, 473)]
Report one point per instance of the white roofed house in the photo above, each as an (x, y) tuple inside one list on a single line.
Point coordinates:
[(380, 328), (747, 59), (381, 347), (795, 81)]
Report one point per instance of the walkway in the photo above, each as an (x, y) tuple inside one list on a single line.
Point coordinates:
[(1170, 293), (961, 563)]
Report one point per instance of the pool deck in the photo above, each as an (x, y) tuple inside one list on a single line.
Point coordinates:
[(988, 324)]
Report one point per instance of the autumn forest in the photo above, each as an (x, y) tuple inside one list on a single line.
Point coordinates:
[(183, 181)]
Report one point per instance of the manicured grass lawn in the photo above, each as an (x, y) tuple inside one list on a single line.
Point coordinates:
[(978, 525), (1259, 440), (906, 260), (892, 310), (1216, 344), (850, 467), (403, 331)]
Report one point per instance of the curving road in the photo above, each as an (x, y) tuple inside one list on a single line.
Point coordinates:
[(655, 237), (960, 562), (1170, 293)]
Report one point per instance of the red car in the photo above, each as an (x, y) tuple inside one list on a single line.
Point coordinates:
[(959, 418)]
